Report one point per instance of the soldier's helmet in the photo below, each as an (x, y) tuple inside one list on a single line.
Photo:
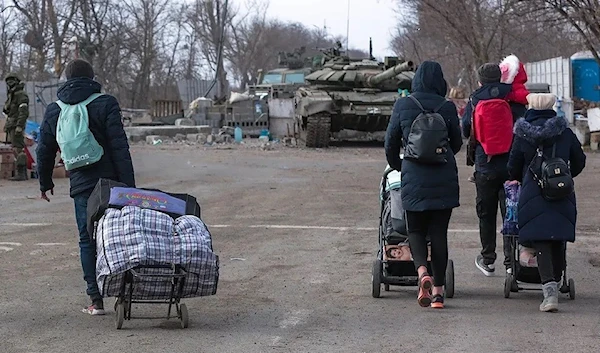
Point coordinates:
[(12, 75)]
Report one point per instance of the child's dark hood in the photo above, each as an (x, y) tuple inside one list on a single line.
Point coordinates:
[(540, 125)]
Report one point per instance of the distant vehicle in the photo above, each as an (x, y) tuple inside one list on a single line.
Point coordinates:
[(353, 94)]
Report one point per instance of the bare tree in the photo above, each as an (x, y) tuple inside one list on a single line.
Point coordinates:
[(10, 31), (582, 15), (478, 31), (212, 18)]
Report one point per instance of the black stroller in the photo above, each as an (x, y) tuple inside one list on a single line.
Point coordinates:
[(530, 275), (394, 264)]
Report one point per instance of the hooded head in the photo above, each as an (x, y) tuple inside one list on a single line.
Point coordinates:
[(429, 78), (513, 70)]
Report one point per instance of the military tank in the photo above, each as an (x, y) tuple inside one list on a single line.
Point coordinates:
[(352, 94)]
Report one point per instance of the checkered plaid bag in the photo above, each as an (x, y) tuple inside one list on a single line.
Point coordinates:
[(133, 236)]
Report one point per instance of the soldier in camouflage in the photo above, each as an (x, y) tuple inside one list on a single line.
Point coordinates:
[(16, 109)]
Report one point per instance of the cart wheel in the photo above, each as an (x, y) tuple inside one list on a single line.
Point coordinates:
[(376, 278), (183, 315), (450, 279), (508, 283), (571, 289), (386, 287), (120, 315)]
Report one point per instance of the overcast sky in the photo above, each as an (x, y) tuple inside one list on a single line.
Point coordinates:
[(368, 18)]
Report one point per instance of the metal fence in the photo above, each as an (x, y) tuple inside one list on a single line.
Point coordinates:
[(556, 72), (42, 93)]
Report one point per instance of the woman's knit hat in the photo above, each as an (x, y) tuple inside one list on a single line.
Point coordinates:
[(541, 101)]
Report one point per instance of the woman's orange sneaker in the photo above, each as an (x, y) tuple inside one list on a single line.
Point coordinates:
[(437, 302), (425, 285)]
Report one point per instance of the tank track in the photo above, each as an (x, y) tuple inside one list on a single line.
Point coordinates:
[(318, 129)]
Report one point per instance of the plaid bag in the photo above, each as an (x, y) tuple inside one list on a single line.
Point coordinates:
[(133, 236)]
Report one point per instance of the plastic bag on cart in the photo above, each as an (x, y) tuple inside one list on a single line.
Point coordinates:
[(510, 226), (130, 237)]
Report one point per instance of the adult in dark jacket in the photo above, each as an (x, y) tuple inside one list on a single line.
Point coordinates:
[(106, 125), (490, 174), (545, 224), (429, 192)]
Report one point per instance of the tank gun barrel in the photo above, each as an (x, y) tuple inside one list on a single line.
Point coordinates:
[(374, 80)]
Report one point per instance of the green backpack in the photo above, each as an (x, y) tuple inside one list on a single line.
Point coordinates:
[(78, 147)]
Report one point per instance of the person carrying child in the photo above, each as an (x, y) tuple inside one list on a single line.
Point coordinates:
[(488, 124), (545, 157), (513, 73)]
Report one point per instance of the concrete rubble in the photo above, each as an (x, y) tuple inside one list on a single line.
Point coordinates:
[(198, 135)]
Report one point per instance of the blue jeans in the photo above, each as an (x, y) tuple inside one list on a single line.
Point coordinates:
[(87, 247)]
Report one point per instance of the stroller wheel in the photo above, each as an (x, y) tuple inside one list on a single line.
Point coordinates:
[(508, 284), (376, 278), (120, 315), (571, 289), (449, 285)]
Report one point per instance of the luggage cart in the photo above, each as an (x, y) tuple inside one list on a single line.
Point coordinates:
[(176, 274)]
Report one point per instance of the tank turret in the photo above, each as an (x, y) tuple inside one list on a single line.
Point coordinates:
[(349, 94), (373, 81)]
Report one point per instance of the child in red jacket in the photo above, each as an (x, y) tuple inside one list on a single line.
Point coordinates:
[(513, 72)]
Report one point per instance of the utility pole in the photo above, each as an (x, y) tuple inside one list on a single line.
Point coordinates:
[(348, 28)]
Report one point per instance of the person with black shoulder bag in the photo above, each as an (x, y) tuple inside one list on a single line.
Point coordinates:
[(545, 158)]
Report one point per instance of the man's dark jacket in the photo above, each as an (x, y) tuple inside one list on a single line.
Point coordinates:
[(107, 127)]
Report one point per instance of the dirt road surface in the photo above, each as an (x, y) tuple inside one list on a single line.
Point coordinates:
[(296, 232)]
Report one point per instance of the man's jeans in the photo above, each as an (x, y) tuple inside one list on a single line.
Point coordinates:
[(490, 193), (87, 248)]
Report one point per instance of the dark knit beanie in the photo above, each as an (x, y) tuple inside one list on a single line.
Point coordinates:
[(79, 68), (489, 73)]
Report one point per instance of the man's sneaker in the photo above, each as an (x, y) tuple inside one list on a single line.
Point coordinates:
[(487, 269), (471, 179), (97, 308), (509, 271)]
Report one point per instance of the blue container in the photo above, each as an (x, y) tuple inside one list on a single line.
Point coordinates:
[(238, 134), (586, 79)]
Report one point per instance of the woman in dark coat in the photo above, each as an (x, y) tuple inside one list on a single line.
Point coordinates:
[(545, 224), (429, 192)]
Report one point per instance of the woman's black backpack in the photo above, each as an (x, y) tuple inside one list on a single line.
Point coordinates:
[(553, 175), (427, 140)]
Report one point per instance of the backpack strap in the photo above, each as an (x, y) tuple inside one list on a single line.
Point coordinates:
[(440, 106), (417, 103), (435, 110), (554, 150)]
